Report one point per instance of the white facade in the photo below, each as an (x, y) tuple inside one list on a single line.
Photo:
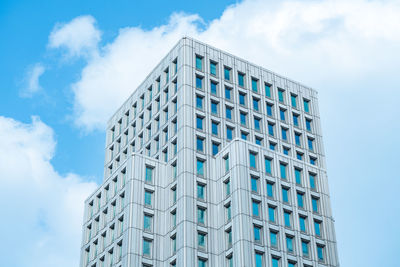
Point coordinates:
[(247, 188)]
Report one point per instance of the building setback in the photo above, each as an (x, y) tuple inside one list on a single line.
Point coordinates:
[(212, 161)]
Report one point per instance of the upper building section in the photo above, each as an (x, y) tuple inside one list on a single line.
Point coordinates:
[(221, 97)]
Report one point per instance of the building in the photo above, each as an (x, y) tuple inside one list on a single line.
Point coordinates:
[(212, 161)]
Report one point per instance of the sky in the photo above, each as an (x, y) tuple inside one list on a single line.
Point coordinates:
[(67, 65)]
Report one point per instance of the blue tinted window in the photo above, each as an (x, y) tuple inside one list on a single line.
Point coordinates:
[(202, 263), (299, 156), (271, 214), (256, 124), (200, 191), (146, 247), (228, 92), (308, 125), (285, 150), (284, 134), (214, 128), (282, 168), (269, 109), (293, 99), (296, 120), (312, 181), (275, 262), (213, 88), (297, 139), (270, 190), (286, 216), (290, 264), (256, 209), (199, 63), (267, 90), (228, 113), (302, 222), (199, 82), (297, 175), (215, 148), (147, 198), (272, 146), (304, 246), (314, 202), (242, 99), (289, 244), (199, 123), (259, 260), (274, 239), (254, 184), (253, 157), (199, 102), (243, 118), (320, 252), (227, 74), (306, 106), (312, 160), (255, 104), (257, 234), (241, 79), (285, 195), (270, 129), (199, 143), (244, 135), (258, 141), (254, 85), (229, 133), (200, 167), (213, 68), (310, 144), (214, 107), (149, 174), (317, 227), (300, 201), (282, 114), (280, 96), (268, 163)]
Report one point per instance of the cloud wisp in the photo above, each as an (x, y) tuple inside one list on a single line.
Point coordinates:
[(31, 80)]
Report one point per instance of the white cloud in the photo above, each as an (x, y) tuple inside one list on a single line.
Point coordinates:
[(79, 37), (42, 210), (31, 80)]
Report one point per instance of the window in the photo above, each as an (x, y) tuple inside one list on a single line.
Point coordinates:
[(173, 239), (241, 79), (304, 247), (293, 99), (199, 102), (257, 123), (270, 129), (286, 150), (213, 88), (201, 215), (267, 90), (295, 119), (259, 141), (173, 194), (148, 198), (270, 190), (306, 105), (271, 214), (299, 155), (202, 262), (254, 84), (310, 143), (229, 132), (228, 212), (282, 114), (273, 238), (320, 252), (213, 68), (297, 175), (200, 144), (257, 234), (147, 222), (255, 104), (229, 235), (201, 240), (199, 62), (227, 73), (259, 259), (312, 181), (297, 137), (300, 200), (200, 191), (254, 184), (285, 194), (228, 113), (314, 202), (149, 174), (226, 159), (268, 166), (287, 219), (243, 118), (214, 107), (256, 208), (302, 222), (292, 264), (312, 160), (282, 168), (275, 262), (200, 167), (214, 128), (269, 109), (280, 95), (215, 148), (146, 247), (289, 244), (242, 99), (199, 123), (228, 93), (284, 134), (243, 135), (253, 160), (199, 82), (317, 227)]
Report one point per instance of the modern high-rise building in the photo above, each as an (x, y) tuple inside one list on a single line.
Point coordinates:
[(212, 161)]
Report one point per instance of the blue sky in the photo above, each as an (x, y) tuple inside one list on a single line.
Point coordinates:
[(67, 65)]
